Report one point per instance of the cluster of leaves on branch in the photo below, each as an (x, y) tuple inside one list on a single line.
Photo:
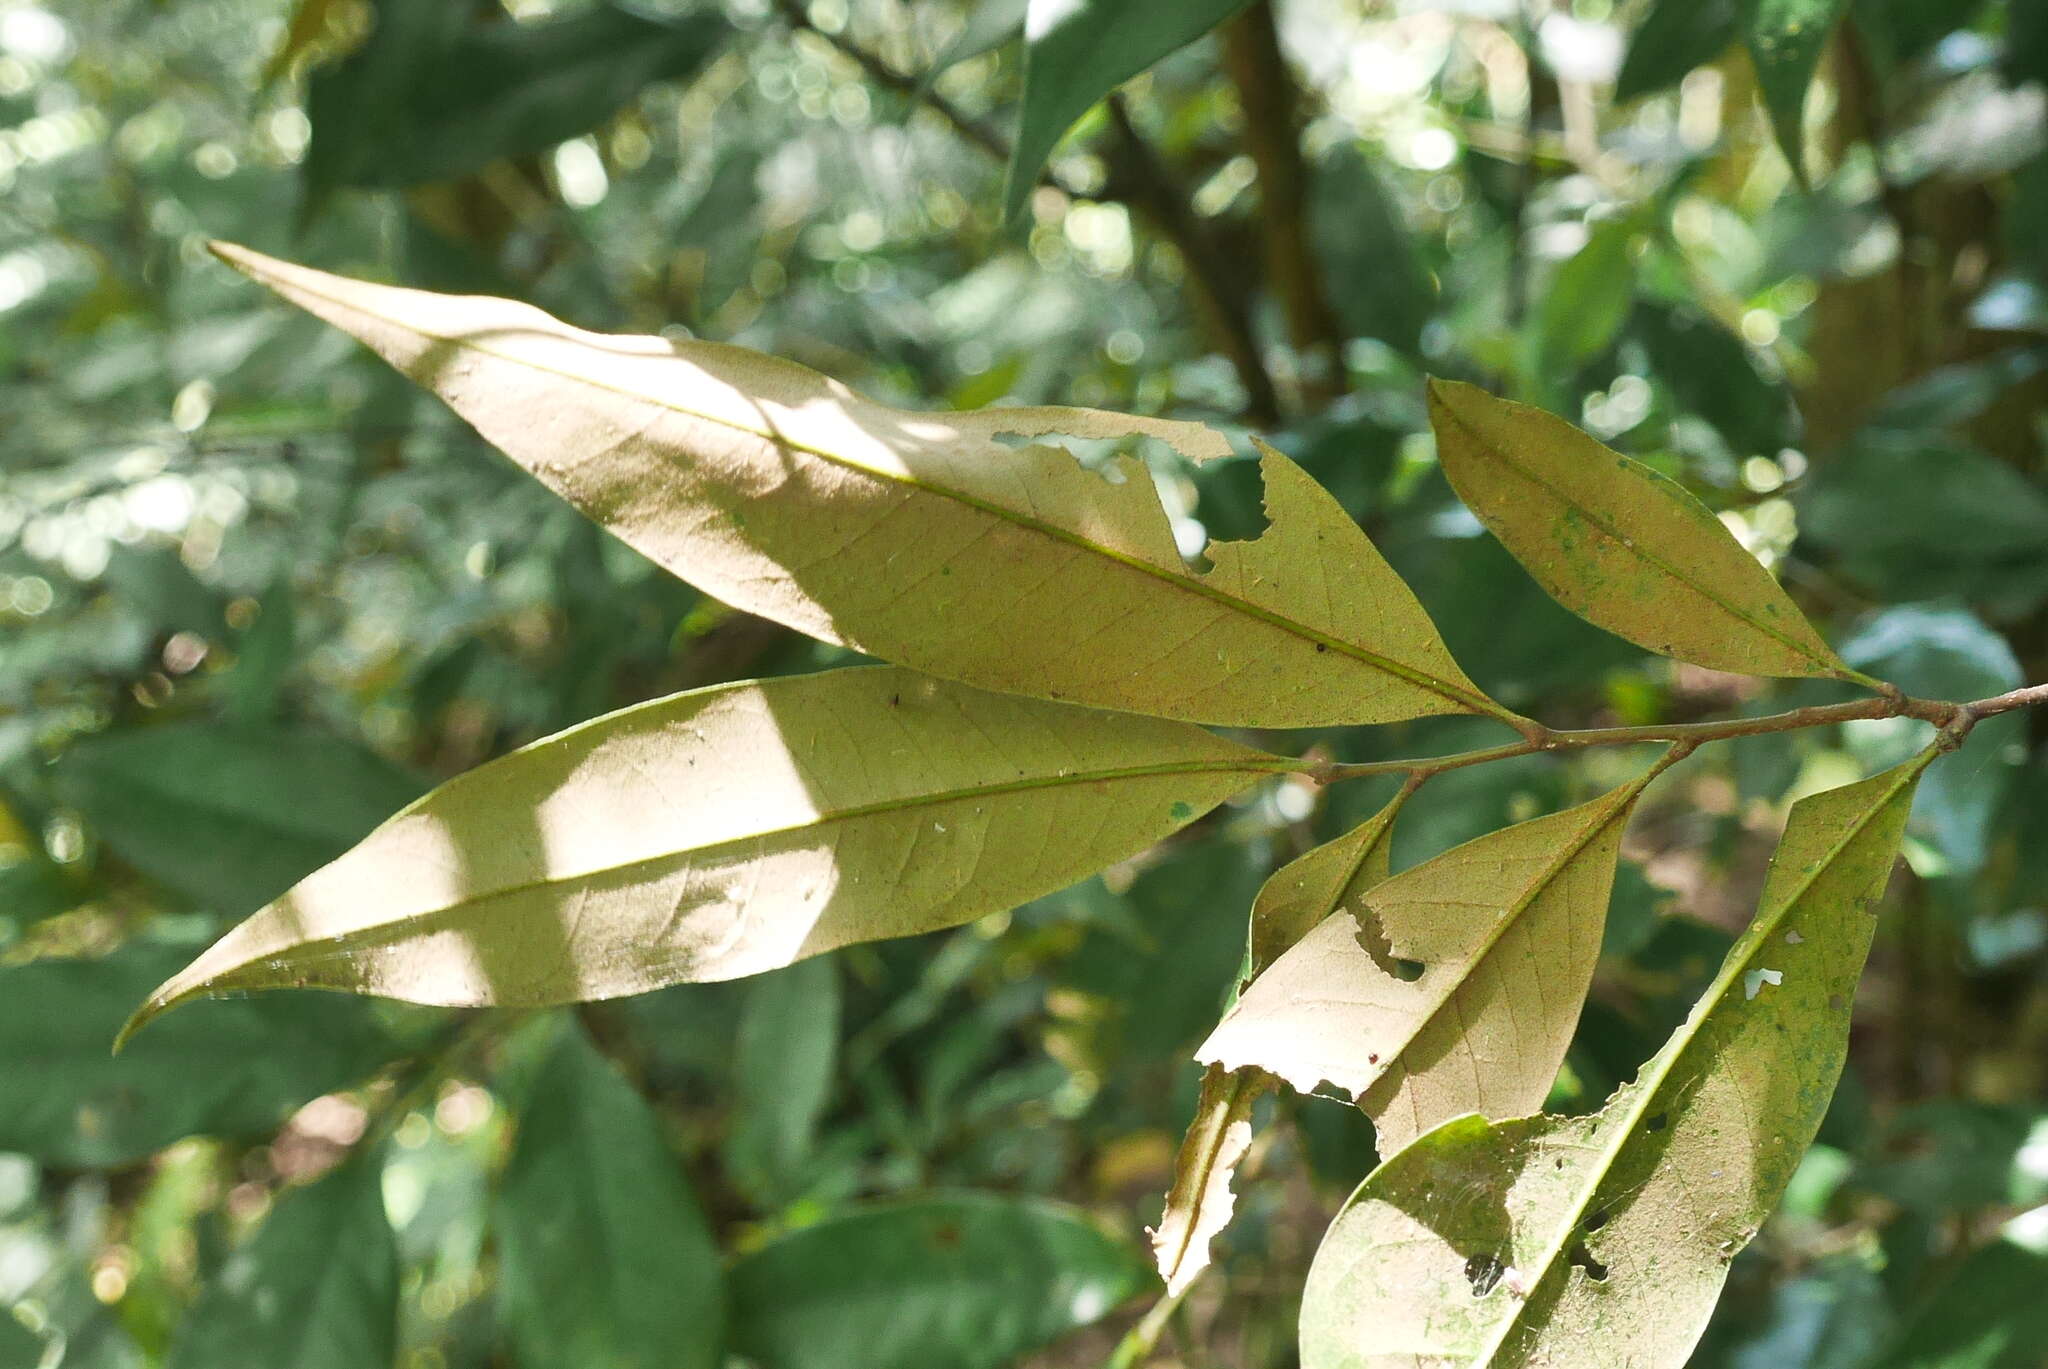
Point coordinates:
[(737, 829), (1490, 728)]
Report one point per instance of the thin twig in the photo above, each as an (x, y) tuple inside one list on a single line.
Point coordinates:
[(1954, 719), (1271, 100)]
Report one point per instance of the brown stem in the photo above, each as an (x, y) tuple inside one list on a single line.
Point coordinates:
[(1136, 178), (1954, 719), (1271, 100), (1142, 181)]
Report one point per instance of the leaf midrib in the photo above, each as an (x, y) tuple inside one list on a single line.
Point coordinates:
[(1253, 764), (1627, 544), (1469, 701), (1666, 1060)]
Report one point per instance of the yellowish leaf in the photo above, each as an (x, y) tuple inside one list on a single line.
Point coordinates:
[(1199, 1204), (1622, 546), (1452, 987), (1570, 1241), (724, 832), (1298, 896), (922, 538)]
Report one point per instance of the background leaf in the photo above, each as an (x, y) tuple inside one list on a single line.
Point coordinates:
[(1078, 51), (783, 1067), (230, 816), (434, 94), (1785, 39), (1674, 37), (605, 1258), (315, 1288), (228, 1069), (964, 1282)]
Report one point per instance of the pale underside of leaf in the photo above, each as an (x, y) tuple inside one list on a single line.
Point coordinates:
[(922, 538), (1199, 1204), (1453, 987), (1605, 1239), (1622, 546), (724, 832), (1298, 896)]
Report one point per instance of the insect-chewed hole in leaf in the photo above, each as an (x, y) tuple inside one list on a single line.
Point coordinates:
[(1596, 1219), (1582, 1258), (1483, 1272), (1407, 971), (1657, 1122), (1374, 943)]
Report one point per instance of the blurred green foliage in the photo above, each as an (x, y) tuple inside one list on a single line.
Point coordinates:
[(255, 593)]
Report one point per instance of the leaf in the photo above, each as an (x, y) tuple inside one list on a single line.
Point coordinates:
[(724, 832), (434, 95), (970, 1281), (228, 1069), (604, 1258), (1618, 544), (309, 24), (1078, 51), (919, 538), (1673, 38), (1785, 39), (1709, 371), (985, 28), (1380, 286), (1605, 1239), (782, 1077), (1199, 1204), (1307, 890), (315, 1288), (1987, 1313), (229, 816), (1588, 300), (1452, 987)]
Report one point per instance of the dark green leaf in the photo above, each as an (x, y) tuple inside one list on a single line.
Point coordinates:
[(1674, 37), (966, 1282), (782, 1075), (1709, 371), (433, 96), (230, 817), (315, 1288), (1984, 539), (1987, 1314), (1785, 40), (1076, 52), (1378, 283), (263, 654), (231, 1068), (20, 1348), (1588, 300), (605, 1261)]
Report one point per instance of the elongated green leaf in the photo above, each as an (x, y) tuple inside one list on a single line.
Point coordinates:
[(782, 1076), (1078, 51), (435, 94), (920, 538), (963, 1282), (1588, 300), (1785, 39), (604, 1259), (315, 1288), (229, 816), (724, 832), (1452, 987), (1605, 1239), (1618, 544), (226, 1069), (1674, 37)]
